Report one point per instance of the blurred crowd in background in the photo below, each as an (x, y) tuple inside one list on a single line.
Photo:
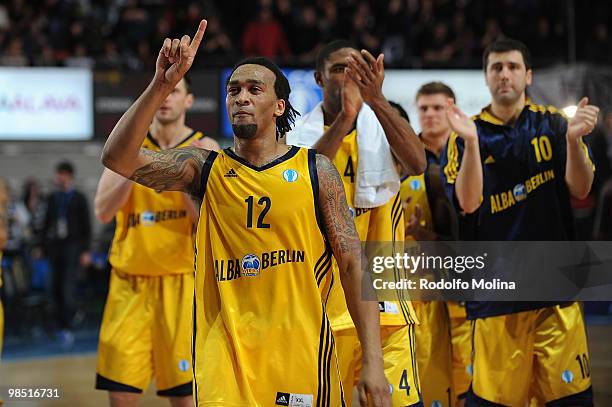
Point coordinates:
[(53, 274), (126, 34)]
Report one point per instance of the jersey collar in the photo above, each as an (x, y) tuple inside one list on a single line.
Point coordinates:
[(156, 144), (486, 115), (289, 154)]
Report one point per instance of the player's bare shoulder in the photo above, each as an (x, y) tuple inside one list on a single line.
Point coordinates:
[(177, 169)]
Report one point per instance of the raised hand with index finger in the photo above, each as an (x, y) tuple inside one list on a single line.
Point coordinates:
[(176, 57)]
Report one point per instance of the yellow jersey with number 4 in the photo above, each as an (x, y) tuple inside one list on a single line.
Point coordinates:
[(385, 225)]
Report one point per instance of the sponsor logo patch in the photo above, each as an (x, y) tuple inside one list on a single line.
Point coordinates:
[(231, 174)]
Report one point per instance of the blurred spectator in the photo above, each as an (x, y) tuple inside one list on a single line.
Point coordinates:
[(544, 44), (66, 237), (18, 225), (492, 32), (328, 24), (5, 21), (284, 13), (80, 58), (134, 25), (16, 275), (364, 29), (308, 40), (218, 44), (110, 58), (35, 205), (466, 46), (395, 30), (264, 36), (439, 49), (599, 47), (14, 55), (46, 57)]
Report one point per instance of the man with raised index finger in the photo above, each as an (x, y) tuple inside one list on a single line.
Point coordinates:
[(261, 273)]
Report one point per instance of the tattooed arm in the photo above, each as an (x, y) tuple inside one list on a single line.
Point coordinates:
[(341, 234), (174, 169)]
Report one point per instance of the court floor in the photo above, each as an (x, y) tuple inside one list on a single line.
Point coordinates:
[(74, 376)]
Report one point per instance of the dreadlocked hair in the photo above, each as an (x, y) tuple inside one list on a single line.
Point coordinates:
[(284, 122)]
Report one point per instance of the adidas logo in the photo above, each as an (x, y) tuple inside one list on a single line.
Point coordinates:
[(282, 399), (231, 174)]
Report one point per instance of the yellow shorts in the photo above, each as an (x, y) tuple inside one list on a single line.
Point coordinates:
[(461, 336), (434, 355), (146, 333), (540, 354), (398, 343)]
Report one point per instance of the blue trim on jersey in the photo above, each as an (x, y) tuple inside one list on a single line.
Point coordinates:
[(289, 154), (205, 172)]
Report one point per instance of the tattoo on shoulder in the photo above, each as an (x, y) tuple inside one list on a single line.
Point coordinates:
[(339, 223), (176, 169)]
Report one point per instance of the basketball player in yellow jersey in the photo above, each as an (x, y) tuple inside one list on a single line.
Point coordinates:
[(443, 334), (146, 329), (348, 78), (270, 216)]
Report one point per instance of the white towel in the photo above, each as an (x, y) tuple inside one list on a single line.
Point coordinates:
[(377, 177)]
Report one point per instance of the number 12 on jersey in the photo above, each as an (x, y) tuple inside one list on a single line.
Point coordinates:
[(264, 201)]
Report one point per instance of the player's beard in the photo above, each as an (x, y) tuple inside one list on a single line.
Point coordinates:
[(244, 131)]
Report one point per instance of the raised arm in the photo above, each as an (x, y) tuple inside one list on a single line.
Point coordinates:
[(369, 74), (331, 140), (341, 233), (174, 169), (469, 183), (112, 193), (579, 168)]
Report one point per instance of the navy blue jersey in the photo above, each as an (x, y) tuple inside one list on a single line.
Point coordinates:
[(525, 196)]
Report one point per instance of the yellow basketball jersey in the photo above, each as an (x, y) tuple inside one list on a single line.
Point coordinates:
[(261, 335), (154, 232), (382, 224), (346, 160)]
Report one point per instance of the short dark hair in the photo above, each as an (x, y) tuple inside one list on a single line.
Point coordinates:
[(65, 166), (506, 45), (434, 88), (329, 49), (400, 110), (284, 123)]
